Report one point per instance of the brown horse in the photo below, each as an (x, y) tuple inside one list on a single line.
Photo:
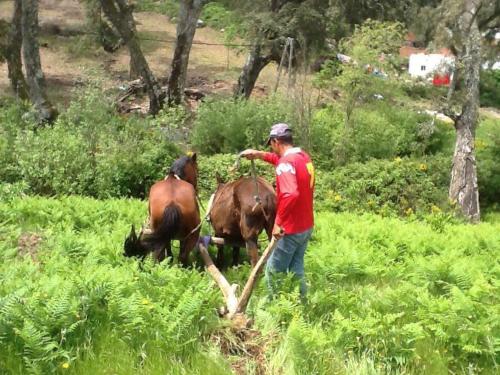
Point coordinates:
[(238, 217), (173, 214)]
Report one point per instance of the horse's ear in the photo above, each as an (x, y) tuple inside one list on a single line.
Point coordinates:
[(132, 234), (193, 156), (218, 178)]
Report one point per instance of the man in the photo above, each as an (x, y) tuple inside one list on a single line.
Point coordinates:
[(294, 217)]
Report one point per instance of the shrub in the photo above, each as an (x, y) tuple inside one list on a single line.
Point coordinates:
[(488, 167), (90, 150), (168, 7), (211, 166), (229, 126), (12, 122), (55, 161), (380, 132), (400, 186), (490, 88)]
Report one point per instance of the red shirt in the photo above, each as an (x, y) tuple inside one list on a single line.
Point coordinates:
[(294, 187)]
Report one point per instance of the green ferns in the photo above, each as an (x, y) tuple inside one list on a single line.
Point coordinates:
[(386, 296)]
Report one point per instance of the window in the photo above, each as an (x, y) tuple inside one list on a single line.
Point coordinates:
[(422, 68)]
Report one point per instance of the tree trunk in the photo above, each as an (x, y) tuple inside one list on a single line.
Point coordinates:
[(463, 185), (32, 64), (108, 38), (251, 70), (13, 54), (120, 15), (189, 13)]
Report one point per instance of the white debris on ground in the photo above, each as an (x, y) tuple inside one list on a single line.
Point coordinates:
[(439, 116)]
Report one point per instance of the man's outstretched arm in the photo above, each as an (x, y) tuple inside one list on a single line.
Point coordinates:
[(269, 157)]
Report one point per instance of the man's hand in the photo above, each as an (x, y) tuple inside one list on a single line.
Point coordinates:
[(278, 232), (251, 154)]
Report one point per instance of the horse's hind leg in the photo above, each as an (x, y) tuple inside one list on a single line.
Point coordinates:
[(220, 256), (168, 248), (186, 247), (252, 250)]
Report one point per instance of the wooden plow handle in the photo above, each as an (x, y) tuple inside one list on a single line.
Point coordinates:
[(234, 305)]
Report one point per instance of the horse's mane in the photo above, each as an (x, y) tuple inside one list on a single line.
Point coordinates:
[(177, 167)]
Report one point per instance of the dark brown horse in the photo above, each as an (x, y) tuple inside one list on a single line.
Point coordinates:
[(173, 214), (238, 217)]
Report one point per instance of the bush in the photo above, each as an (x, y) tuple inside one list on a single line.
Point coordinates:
[(168, 7), (488, 167), (211, 166), (219, 17), (12, 122), (423, 90), (90, 150), (490, 88), (380, 132), (399, 186), (230, 126)]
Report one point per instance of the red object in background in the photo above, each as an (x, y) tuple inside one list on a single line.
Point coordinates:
[(441, 80)]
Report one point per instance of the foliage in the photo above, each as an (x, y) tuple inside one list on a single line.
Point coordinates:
[(167, 7), (217, 16), (89, 150), (230, 126), (373, 50), (378, 131), (87, 301), (417, 90), (222, 165), (489, 88), (488, 169), (400, 186), (385, 296)]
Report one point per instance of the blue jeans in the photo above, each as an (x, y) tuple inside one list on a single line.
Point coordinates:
[(288, 257)]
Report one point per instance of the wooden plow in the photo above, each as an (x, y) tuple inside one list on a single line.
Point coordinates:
[(235, 307)]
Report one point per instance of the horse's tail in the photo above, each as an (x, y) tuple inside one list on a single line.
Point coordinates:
[(168, 228), (270, 210)]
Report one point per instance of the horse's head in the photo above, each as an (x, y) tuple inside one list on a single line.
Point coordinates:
[(186, 168), (132, 246)]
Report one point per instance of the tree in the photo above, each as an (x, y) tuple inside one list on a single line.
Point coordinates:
[(11, 52), (271, 22), (31, 54), (189, 13), (467, 29), (106, 36), (463, 184), (119, 13), (372, 52)]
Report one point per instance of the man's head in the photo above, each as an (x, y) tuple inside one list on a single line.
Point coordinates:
[(280, 136)]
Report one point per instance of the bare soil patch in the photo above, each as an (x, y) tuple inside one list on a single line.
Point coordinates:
[(65, 58), (28, 244), (244, 349)]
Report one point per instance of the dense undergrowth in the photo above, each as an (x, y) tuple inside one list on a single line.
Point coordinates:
[(386, 295), (393, 161)]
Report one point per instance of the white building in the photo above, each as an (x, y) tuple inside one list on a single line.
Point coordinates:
[(425, 65)]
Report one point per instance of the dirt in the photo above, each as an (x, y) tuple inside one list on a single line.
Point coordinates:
[(66, 59), (28, 244), (243, 347)]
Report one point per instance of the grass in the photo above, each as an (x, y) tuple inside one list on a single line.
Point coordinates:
[(386, 296)]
